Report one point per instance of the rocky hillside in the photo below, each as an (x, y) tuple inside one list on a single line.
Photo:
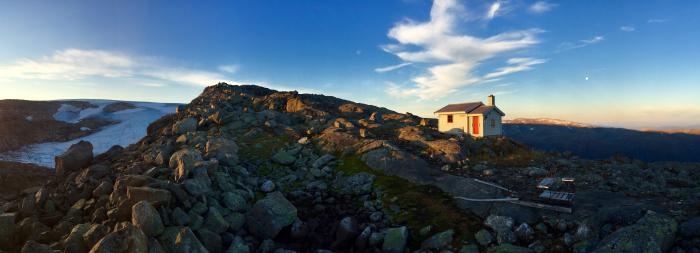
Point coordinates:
[(248, 169)]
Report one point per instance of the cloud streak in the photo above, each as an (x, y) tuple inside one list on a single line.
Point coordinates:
[(541, 7), (627, 28), (392, 67), (451, 56), (566, 46), (78, 64)]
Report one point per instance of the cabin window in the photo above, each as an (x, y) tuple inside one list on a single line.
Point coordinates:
[(449, 118), (493, 123)]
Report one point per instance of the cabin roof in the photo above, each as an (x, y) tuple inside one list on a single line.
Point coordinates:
[(463, 107), (471, 107)]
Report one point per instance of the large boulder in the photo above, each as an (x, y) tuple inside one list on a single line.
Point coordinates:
[(509, 248), (187, 242), (439, 240), (184, 161), (35, 247), (78, 156), (269, 215), (184, 126), (357, 184), (127, 239), (652, 233), (234, 201), (399, 163), (145, 217), (283, 157), (154, 195), (215, 222), (395, 240), (7, 229), (224, 150)]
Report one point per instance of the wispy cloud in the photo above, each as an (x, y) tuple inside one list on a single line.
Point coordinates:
[(451, 55), (565, 46), (493, 9), (392, 67), (515, 65), (627, 28), (541, 7), (77, 64), (657, 20), (233, 68)]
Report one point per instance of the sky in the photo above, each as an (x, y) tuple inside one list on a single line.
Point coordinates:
[(613, 63)]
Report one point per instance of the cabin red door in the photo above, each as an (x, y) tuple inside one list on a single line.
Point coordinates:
[(475, 124)]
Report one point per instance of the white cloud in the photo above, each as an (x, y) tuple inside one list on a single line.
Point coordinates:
[(451, 55), (593, 40), (515, 65), (233, 68), (657, 20), (627, 28), (77, 64), (392, 67), (565, 46), (493, 9), (541, 7)]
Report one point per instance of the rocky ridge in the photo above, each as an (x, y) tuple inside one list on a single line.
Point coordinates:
[(248, 169)]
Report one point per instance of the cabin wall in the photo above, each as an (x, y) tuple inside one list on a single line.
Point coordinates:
[(497, 128), (459, 121)]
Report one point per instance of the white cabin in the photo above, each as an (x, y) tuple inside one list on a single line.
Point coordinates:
[(474, 118)]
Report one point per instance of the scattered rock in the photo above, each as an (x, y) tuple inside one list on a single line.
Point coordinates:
[(184, 126), (78, 156), (508, 248), (153, 195), (145, 217), (187, 242), (652, 233), (269, 215), (483, 237), (215, 222), (439, 240), (524, 232), (283, 157), (357, 184), (267, 186), (35, 247), (128, 239), (395, 240), (321, 161), (7, 229), (234, 201)]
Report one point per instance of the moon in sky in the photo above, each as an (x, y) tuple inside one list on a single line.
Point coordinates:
[(586, 78)]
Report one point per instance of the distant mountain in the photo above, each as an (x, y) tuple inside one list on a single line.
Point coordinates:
[(694, 131), (546, 121), (604, 142), (36, 131)]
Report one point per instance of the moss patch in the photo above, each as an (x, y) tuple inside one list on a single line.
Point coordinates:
[(419, 205)]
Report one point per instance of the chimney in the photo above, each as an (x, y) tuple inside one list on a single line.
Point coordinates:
[(492, 100)]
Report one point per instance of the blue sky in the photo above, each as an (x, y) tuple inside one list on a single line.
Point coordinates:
[(617, 63)]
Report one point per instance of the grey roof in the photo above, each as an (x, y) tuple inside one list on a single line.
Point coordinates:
[(463, 107), (472, 107), (484, 109)]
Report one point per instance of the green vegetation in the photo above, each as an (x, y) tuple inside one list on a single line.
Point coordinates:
[(419, 205)]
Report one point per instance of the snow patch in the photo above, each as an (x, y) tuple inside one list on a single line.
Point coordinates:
[(130, 129)]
